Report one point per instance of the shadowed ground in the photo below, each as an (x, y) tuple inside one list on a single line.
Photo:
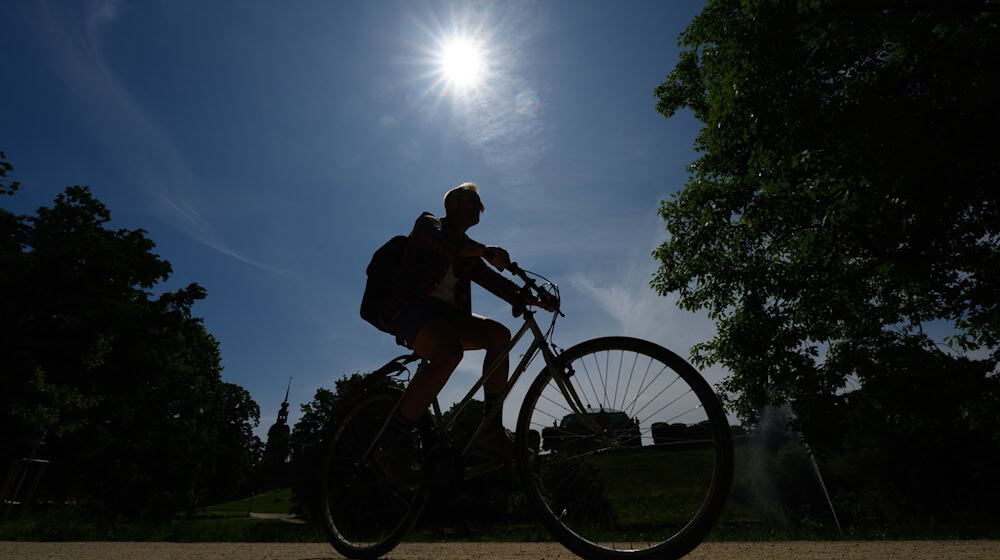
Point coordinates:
[(849, 550)]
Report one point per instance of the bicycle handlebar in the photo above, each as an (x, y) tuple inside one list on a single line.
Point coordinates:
[(519, 272), (530, 285)]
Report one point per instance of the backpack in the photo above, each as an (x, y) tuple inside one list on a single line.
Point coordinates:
[(381, 271)]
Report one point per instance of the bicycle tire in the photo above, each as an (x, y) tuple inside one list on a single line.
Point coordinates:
[(605, 487), (363, 513)]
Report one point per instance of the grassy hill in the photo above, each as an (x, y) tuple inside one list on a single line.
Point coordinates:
[(273, 501)]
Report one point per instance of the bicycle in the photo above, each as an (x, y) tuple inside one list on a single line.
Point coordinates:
[(622, 448)]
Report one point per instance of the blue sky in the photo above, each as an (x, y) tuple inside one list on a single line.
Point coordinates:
[(269, 148)]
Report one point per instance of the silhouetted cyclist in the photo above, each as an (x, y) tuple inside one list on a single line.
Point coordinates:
[(429, 310)]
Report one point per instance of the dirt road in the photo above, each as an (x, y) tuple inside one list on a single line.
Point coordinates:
[(851, 550)]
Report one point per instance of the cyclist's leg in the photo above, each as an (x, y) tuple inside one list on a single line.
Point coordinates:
[(442, 342), (439, 343), (477, 333)]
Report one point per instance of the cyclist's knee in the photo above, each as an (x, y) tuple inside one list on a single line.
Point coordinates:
[(447, 355), (499, 335), (482, 333)]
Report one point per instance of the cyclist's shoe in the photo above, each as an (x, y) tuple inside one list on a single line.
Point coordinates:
[(497, 443), (396, 457)]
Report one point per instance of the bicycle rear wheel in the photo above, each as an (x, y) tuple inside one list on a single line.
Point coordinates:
[(644, 471), (365, 515)]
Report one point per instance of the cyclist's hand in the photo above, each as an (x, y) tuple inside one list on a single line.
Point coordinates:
[(545, 304), (497, 256)]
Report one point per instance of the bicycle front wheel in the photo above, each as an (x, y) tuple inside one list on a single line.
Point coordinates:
[(364, 513), (644, 469)]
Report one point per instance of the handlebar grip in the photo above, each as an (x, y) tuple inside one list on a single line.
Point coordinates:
[(529, 287)]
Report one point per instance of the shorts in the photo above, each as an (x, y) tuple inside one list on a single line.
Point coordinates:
[(418, 314)]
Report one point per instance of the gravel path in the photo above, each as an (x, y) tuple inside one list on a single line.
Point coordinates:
[(850, 550)]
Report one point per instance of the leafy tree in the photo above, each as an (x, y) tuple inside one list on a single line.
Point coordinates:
[(846, 193), (844, 204), (5, 168), (119, 390), (923, 436), (239, 450)]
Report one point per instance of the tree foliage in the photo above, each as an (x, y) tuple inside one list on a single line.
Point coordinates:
[(5, 167), (843, 209), (120, 390), (846, 193)]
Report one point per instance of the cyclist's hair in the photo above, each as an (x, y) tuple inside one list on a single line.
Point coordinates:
[(465, 189)]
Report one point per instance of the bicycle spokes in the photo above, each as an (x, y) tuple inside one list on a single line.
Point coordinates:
[(643, 466)]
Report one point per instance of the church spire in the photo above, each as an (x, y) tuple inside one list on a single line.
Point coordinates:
[(275, 461), (283, 412)]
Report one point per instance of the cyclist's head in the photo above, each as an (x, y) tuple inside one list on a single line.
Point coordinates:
[(464, 192)]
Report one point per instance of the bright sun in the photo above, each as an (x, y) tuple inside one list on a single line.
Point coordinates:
[(462, 63)]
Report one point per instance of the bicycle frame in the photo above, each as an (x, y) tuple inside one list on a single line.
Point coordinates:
[(551, 362), (537, 344)]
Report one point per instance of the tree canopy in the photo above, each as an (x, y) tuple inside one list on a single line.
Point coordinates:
[(842, 225), (845, 198), (119, 389)]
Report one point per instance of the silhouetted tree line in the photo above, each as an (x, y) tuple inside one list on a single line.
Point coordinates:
[(119, 389), (843, 217)]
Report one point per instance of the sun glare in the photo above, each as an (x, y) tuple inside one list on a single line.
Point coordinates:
[(462, 63)]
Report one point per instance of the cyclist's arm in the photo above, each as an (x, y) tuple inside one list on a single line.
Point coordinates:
[(496, 283)]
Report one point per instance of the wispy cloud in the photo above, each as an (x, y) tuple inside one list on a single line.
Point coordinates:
[(189, 220), (621, 290), (73, 40), (629, 304)]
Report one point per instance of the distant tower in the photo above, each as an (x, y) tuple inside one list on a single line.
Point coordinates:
[(276, 450), (283, 413)]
